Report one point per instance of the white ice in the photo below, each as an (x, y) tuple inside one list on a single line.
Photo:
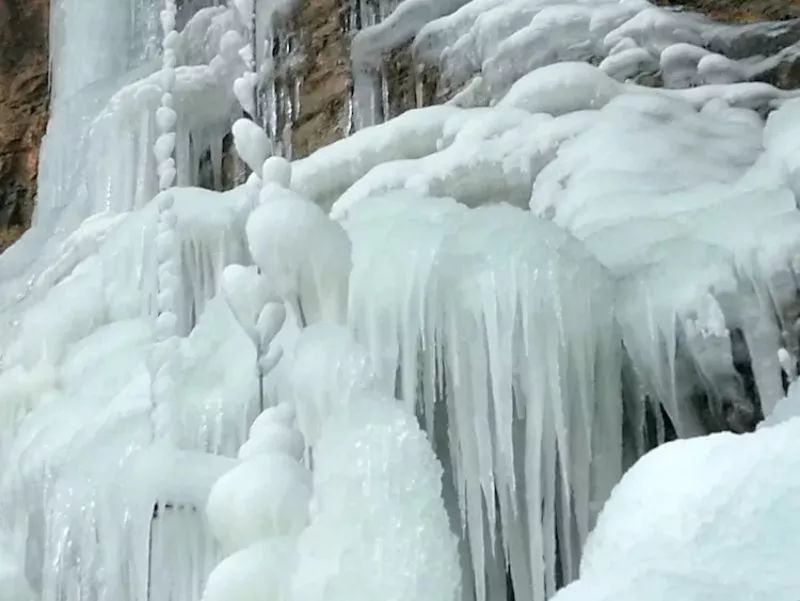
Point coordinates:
[(415, 363), (265, 496), (686, 515)]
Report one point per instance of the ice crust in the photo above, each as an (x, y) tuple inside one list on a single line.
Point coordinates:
[(415, 363), (684, 543)]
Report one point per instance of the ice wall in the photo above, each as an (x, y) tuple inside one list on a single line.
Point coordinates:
[(701, 346), (484, 327), (589, 250)]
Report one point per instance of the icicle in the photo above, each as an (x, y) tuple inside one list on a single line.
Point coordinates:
[(511, 302)]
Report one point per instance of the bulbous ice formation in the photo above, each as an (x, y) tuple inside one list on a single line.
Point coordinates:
[(329, 369), (273, 432), (283, 414), (246, 292), (252, 143), (274, 439), (378, 528), (278, 171), (263, 497), (305, 253), (562, 88), (260, 572)]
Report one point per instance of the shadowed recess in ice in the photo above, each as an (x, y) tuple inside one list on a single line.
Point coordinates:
[(416, 363)]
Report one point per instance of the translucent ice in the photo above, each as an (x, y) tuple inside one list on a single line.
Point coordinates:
[(13, 586), (361, 542)]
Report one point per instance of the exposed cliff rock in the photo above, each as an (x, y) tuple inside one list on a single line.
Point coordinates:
[(324, 90), (742, 10), (23, 109)]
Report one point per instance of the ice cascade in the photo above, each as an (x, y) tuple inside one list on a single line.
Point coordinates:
[(417, 363)]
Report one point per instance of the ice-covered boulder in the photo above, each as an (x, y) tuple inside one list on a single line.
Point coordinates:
[(706, 519)]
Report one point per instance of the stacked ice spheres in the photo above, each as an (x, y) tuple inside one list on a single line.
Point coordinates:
[(257, 511)]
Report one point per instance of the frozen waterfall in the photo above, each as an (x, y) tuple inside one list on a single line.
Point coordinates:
[(433, 360)]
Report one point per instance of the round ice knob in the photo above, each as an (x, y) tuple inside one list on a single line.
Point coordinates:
[(263, 497), (274, 438), (277, 170), (256, 573)]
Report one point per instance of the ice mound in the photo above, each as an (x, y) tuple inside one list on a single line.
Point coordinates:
[(688, 514), (360, 538), (273, 438), (266, 496), (256, 573)]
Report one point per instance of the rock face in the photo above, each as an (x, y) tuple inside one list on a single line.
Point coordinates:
[(23, 109), (322, 117), (742, 10)]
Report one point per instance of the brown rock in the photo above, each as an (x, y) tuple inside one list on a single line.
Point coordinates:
[(325, 86), (23, 109), (741, 10)]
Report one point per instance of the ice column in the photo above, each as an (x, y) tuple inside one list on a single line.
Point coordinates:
[(166, 115), (257, 511), (165, 352)]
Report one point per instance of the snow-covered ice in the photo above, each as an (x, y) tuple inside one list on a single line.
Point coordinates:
[(265, 496), (415, 363), (259, 572), (700, 520)]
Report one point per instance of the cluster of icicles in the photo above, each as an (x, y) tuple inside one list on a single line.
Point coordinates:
[(544, 343)]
